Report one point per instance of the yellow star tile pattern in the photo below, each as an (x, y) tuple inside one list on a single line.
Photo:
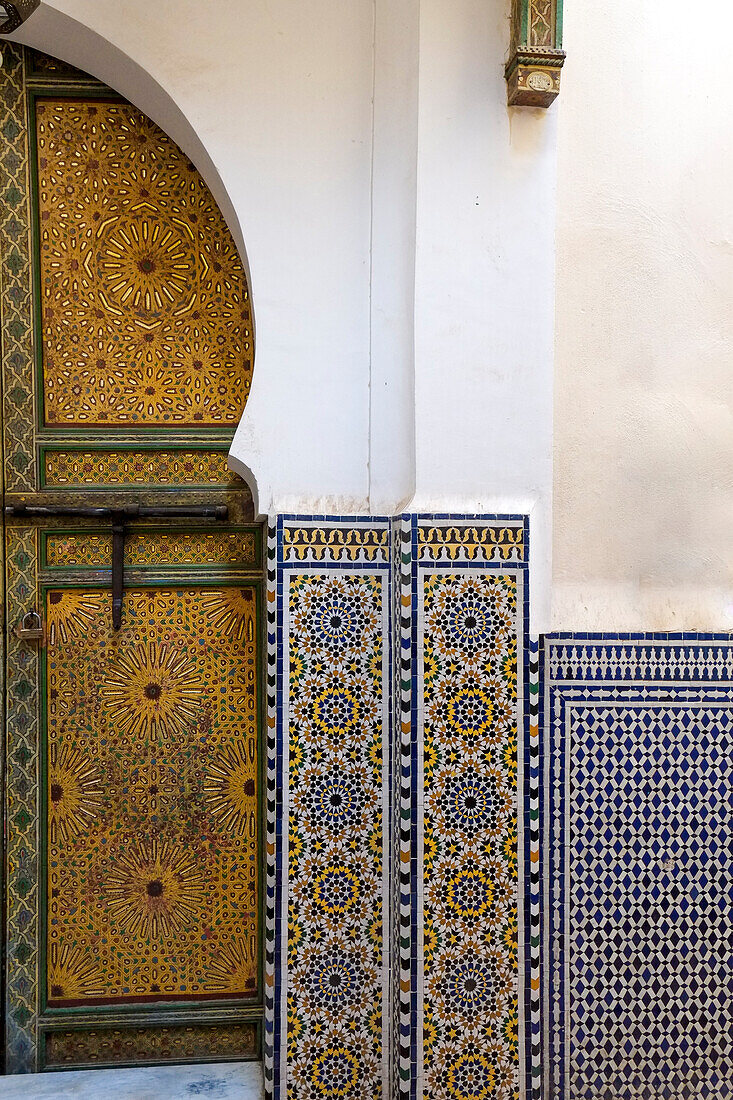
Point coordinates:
[(335, 842), (469, 676), (152, 766), (144, 301)]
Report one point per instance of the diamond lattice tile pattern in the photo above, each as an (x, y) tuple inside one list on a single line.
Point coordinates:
[(651, 931), (636, 867)]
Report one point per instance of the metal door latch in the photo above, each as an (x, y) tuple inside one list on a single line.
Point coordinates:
[(119, 517)]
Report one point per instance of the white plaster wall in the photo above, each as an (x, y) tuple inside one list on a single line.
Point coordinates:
[(392, 290), (484, 281), (398, 224), (643, 513)]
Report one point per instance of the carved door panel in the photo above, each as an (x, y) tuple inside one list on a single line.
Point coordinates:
[(133, 849)]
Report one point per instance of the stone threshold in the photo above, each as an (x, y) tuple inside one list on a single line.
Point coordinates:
[(221, 1081)]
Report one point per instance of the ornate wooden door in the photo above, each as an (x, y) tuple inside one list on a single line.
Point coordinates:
[(132, 766)]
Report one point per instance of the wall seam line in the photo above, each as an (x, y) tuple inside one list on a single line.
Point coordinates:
[(371, 258)]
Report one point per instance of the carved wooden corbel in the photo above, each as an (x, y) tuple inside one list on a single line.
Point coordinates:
[(536, 55)]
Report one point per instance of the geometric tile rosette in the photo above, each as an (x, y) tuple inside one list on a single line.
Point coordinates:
[(152, 833), (638, 910), (328, 799), (470, 936), (458, 611), (335, 864), (144, 302)]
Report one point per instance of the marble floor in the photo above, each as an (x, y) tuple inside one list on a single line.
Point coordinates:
[(224, 1081)]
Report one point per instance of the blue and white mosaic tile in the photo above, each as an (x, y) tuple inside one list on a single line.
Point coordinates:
[(397, 670), (327, 1023), (637, 867)]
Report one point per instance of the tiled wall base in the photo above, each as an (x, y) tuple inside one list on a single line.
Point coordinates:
[(409, 717), (637, 735), (329, 719), (396, 736), (468, 626)]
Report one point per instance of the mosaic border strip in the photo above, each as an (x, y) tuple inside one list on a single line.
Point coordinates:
[(620, 671), (483, 558), (16, 304), (473, 540), (404, 821), (334, 540), (338, 547), (273, 823), (21, 801), (532, 886), (117, 1045), (126, 467), (152, 549)]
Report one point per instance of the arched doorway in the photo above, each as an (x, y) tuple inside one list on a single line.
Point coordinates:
[(133, 593)]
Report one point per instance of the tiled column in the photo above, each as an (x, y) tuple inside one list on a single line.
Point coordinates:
[(420, 998), (460, 639), (329, 720)]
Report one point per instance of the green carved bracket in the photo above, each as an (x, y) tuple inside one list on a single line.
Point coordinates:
[(536, 55)]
